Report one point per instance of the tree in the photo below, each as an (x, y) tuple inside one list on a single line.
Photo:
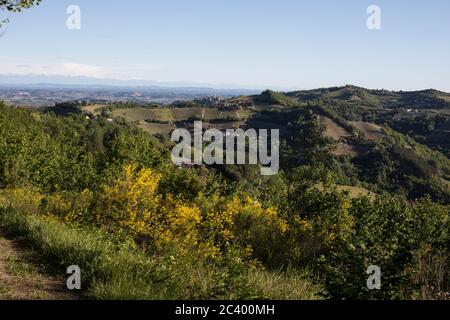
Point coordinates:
[(16, 6), (306, 143)]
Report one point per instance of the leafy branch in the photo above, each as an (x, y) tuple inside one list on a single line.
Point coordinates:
[(14, 6)]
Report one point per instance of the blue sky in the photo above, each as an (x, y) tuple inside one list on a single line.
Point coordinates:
[(262, 43)]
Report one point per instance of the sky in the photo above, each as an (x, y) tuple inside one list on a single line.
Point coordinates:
[(259, 43)]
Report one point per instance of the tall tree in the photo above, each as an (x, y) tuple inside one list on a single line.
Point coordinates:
[(306, 143)]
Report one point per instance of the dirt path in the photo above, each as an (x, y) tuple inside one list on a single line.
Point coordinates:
[(22, 279)]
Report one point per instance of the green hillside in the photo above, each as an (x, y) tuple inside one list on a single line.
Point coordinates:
[(352, 191), (361, 125)]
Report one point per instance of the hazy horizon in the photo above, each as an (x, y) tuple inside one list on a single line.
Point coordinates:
[(83, 81)]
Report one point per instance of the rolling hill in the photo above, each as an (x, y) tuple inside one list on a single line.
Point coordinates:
[(406, 129)]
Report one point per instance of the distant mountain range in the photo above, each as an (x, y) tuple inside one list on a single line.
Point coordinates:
[(32, 80)]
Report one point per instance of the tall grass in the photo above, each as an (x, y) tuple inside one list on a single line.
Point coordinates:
[(112, 269)]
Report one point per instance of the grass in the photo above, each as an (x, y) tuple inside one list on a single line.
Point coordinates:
[(94, 109), (335, 131), (3, 292), (356, 192), (19, 268), (112, 269), (287, 285), (370, 131), (155, 128)]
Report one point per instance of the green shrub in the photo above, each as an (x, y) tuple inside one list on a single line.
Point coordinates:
[(116, 269), (389, 233)]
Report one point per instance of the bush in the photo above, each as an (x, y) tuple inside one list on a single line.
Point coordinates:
[(115, 269), (390, 233)]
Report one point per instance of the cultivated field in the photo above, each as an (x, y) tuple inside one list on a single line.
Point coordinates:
[(156, 128), (179, 114), (335, 131), (162, 120), (370, 131), (94, 108)]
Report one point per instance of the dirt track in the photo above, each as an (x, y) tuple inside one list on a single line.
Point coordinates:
[(21, 279)]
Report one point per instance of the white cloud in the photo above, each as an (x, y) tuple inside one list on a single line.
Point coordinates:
[(58, 69), (141, 71)]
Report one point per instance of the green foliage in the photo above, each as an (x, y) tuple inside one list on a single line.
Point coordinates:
[(391, 234), (305, 143), (105, 196), (16, 6), (400, 165), (69, 153), (277, 98), (116, 269)]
